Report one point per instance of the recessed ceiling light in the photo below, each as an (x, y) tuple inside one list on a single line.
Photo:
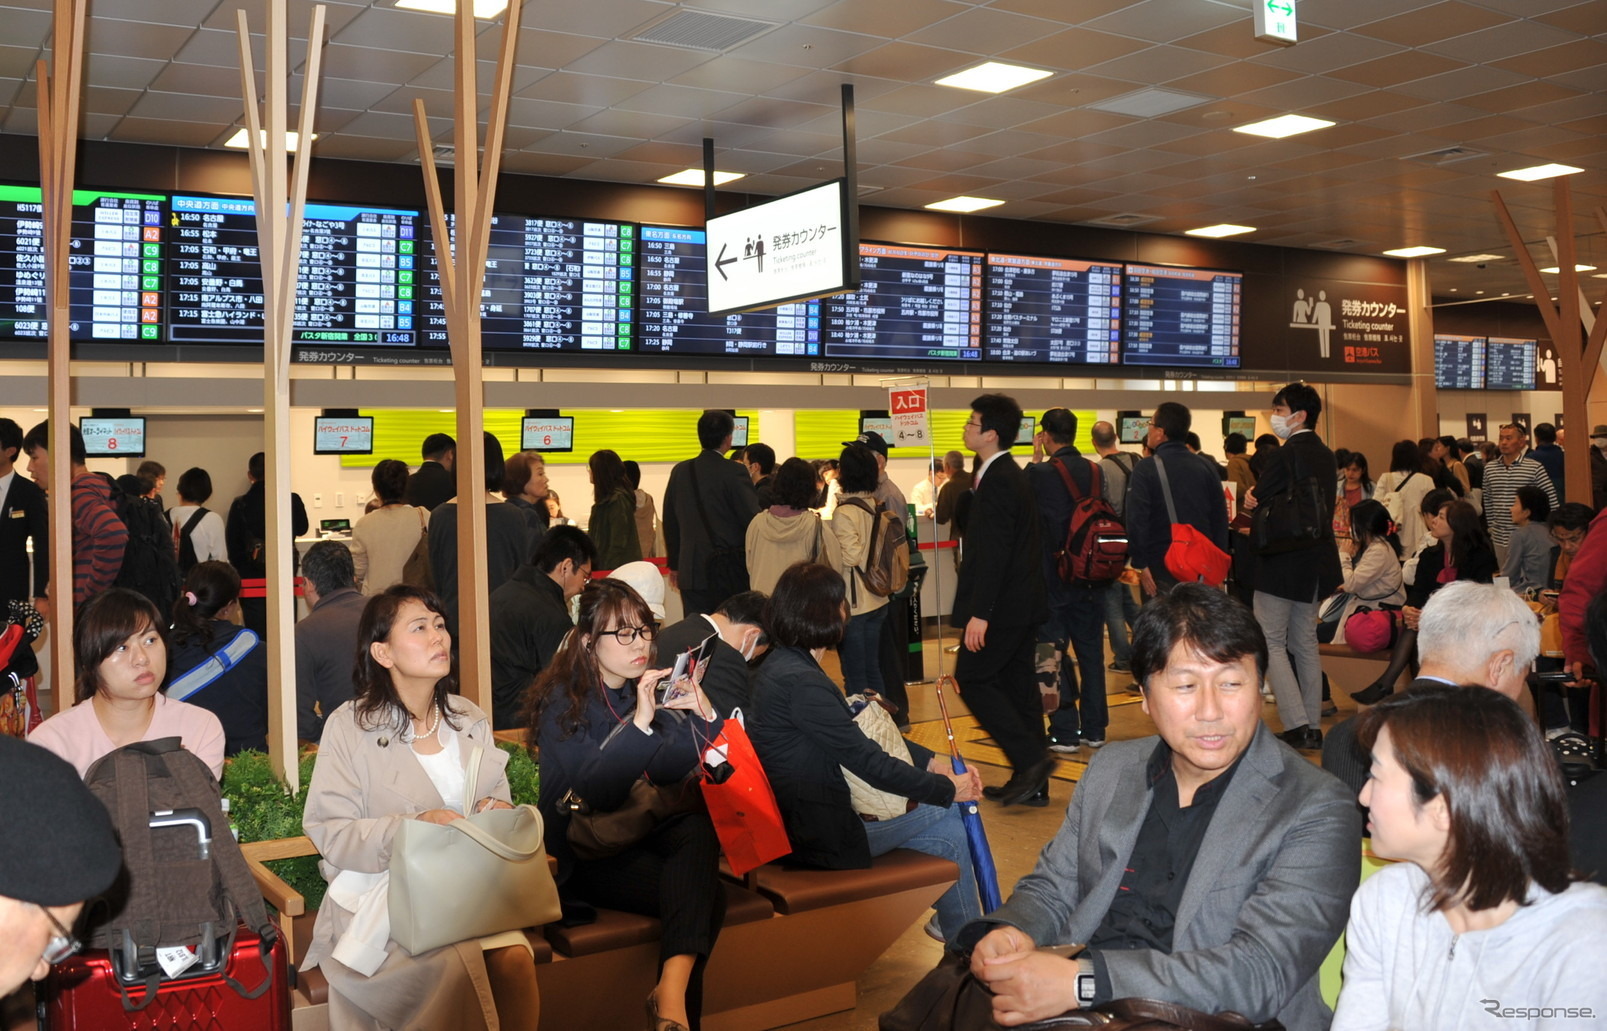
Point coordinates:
[(238, 140), (1474, 258), (1414, 252), (994, 77), (964, 205), (1219, 230), (1533, 172), (1480, 292), (1557, 269), (1599, 275), (694, 177), (1283, 125), (484, 9)]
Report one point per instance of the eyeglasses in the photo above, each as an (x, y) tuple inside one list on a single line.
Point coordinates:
[(629, 634), (62, 944)]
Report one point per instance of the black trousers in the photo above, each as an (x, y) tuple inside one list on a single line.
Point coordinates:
[(892, 648), (1000, 688)]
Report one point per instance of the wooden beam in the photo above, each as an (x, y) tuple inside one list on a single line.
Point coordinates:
[(1531, 271)]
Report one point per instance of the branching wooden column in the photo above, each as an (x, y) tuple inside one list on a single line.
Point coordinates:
[(462, 272), (280, 202)]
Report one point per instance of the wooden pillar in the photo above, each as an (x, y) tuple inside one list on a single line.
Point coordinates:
[(1425, 413)]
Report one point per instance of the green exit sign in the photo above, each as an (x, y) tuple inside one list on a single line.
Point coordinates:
[(1275, 21)]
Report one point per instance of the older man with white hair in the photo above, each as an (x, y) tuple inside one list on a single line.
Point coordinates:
[(1469, 634)]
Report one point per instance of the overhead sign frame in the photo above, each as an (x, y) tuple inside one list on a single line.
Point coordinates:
[(1275, 22), (748, 271)]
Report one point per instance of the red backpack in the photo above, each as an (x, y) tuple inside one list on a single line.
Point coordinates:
[(1095, 551)]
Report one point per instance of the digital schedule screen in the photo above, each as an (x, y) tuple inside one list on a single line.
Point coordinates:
[(913, 303), (1052, 310), (1509, 364), (551, 284), (1458, 362), (115, 284), (673, 306), (1180, 317)]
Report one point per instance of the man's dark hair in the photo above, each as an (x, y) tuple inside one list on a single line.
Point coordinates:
[(155, 470), (1301, 397), (195, 485), (389, 480), (1173, 420), (1571, 515), (564, 542), (633, 473), (328, 565), (1060, 424), (1466, 446), (1545, 433), (492, 452), (257, 466), (1001, 414), (39, 437), (1204, 619), (762, 455), (1191, 440), (794, 485), (1266, 440), (1235, 444), (11, 437), (806, 609), (1103, 435), (747, 608), (437, 445), (857, 471), (713, 427)]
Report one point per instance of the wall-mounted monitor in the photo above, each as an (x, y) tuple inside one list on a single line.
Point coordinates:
[(1509, 364), (1056, 310), (874, 421), (1028, 430), (1132, 427), (739, 431), (786, 249), (121, 436), (1458, 362), (1241, 424), (548, 433), (343, 435), (1181, 317), (914, 303)]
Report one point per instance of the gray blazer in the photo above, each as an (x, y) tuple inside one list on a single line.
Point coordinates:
[(1268, 896)]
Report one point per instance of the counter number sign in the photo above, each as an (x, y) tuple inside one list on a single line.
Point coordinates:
[(908, 408)]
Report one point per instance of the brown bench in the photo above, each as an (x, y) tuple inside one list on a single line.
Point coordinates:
[(1348, 669)]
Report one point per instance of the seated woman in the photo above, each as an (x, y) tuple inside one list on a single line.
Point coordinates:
[(805, 736), (218, 664), (1481, 915), (399, 750), (599, 691), (1528, 566), (120, 663), (1371, 561)]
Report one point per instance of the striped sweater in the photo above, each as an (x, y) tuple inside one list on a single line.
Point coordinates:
[(1501, 483), (99, 537)]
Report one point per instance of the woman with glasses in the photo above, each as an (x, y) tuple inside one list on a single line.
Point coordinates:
[(602, 724)]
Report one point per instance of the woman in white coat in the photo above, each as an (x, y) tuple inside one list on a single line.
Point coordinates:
[(1371, 563)]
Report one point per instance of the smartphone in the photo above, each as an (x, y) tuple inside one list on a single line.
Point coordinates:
[(1560, 676)]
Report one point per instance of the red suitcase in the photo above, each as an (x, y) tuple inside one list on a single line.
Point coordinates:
[(81, 992)]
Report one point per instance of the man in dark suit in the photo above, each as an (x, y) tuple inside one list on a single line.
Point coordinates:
[(433, 484), (1196, 494), (244, 533), (530, 618), (708, 505), (1289, 584), (999, 602), (22, 518)]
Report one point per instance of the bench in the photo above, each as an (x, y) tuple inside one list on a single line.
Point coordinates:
[(1348, 669), (794, 945)]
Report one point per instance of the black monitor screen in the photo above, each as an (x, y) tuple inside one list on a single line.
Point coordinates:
[(1509, 364), (917, 303), (1180, 317), (343, 435), (1053, 310), (113, 437), (1134, 429), (548, 433), (1458, 362), (739, 431)]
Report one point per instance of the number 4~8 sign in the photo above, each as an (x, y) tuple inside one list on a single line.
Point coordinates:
[(908, 408)]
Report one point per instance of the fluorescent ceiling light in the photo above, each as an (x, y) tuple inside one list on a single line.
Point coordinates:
[(1530, 174), (484, 9), (994, 77), (1557, 269), (238, 140), (1471, 259), (1283, 125), (1223, 229), (694, 177), (1414, 252), (964, 205)]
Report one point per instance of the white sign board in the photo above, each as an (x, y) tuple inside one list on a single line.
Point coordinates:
[(111, 437), (547, 433), (1275, 21), (908, 408), (783, 250)]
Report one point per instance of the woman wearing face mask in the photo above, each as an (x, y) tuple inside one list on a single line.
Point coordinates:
[(1481, 915), (600, 691)]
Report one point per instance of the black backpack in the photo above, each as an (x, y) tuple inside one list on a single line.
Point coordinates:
[(150, 565), (187, 559)]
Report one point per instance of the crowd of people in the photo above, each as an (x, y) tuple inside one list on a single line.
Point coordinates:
[(1209, 865)]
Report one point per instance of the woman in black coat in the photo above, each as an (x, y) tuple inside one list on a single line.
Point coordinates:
[(804, 733)]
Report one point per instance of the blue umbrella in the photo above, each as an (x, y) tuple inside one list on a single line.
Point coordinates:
[(987, 876)]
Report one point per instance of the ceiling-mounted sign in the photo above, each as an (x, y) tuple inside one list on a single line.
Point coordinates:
[(907, 406), (1275, 21), (783, 250)]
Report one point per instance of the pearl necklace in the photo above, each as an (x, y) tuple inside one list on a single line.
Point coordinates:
[(435, 721)]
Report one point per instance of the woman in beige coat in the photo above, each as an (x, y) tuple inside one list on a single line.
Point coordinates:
[(852, 523), (399, 751), (383, 539), (789, 531)]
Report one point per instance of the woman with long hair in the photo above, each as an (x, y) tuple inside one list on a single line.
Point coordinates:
[(216, 663), (1371, 562), (1481, 914), (119, 666), (400, 750), (600, 691), (1407, 478), (613, 512), (1355, 486), (382, 540)]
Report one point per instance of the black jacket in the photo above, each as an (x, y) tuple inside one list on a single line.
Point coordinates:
[(1054, 511), (1479, 567), (1312, 572), (1196, 493), (528, 622), (432, 485), (23, 516), (804, 733), (731, 503), (726, 679), (1001, 579), (507, 548), (247, 526)]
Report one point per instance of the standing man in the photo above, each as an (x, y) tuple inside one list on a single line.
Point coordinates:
[(1076, 611), (1502, 480), (1288, 584), (760, 460), (887, 492), (507, 536), (895, 640), (708, 505), (433, 484), (1116, 467), (530, 617), (999, 602), (327, 639), (247, 526), (23, 518), (1598, 468), (955, 486), (1548, 452), (1196, 494), (99, 536)]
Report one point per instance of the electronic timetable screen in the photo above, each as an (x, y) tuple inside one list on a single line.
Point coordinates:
[(1181, 317)]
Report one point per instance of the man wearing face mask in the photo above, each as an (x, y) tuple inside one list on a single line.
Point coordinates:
[(1290, 583), (739, 620)]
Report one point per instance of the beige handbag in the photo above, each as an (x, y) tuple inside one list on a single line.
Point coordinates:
[(877, 724), (481, 875)]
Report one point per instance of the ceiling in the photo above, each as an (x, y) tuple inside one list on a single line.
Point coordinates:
[(1510, 83)]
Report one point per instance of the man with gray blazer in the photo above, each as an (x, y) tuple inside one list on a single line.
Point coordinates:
[(1210, 866), (708, 505)]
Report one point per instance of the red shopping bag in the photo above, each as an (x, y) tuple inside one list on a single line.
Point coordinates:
[(742, 805)]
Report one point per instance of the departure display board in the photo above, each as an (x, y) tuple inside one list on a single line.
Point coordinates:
[(1458, 362), (673, 306), (552, 284), (917, 303), (1509, 364), (115, 262), (1053, 310), (1180, 317)]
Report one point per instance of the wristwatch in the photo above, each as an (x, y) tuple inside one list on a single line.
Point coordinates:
[(1087, 986)]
